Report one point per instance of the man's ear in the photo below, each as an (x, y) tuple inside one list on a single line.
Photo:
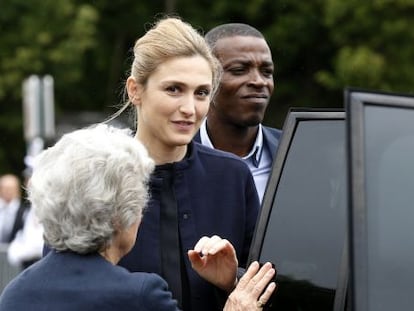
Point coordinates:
[(134, 90)]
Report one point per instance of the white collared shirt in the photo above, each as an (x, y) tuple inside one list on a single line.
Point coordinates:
[(28, 243), (258, 159)]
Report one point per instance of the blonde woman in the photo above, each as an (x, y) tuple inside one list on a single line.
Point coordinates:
[(195, 191)]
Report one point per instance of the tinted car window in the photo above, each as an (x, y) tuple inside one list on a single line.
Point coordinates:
[(389, 169), (306, 225)]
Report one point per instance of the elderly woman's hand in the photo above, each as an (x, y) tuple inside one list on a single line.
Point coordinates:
[(250, 293)]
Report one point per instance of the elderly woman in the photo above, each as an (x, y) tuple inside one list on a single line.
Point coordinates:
[(89, 192)]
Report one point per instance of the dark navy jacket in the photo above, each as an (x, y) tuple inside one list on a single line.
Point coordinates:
[(68, 281), (216, 195)]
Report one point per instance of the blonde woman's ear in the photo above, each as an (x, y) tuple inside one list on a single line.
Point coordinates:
[(133, 90)]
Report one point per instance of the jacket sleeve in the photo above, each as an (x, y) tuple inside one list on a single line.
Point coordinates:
[(156, 295)]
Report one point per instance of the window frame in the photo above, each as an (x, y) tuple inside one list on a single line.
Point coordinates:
[(356, 101)]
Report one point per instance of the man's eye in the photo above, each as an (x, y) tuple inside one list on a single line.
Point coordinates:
[(267, 72), (237, 70)]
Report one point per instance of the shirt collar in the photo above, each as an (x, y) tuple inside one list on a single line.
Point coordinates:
[(205, 140), (12, 206), (255, 153)]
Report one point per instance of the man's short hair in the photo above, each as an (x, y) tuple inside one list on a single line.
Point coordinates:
[(231, 30)]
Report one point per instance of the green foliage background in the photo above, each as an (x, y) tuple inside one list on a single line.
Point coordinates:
[(318, 46)]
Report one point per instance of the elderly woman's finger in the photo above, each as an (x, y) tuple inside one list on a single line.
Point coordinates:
[(261, 278), (248, 275), (264, 298)]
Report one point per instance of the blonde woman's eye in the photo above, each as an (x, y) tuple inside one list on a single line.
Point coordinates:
[(172, 89), (203, 92)]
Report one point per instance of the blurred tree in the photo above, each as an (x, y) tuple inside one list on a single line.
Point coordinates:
[(44, 37), (373, 43), (38, 37), (120, 24)]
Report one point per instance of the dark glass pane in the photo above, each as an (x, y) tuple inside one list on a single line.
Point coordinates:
[(389, 169), (307, 224)]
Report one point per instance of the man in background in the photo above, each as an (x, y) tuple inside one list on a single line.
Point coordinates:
[(27, 246), (13, 209), (233, 123)]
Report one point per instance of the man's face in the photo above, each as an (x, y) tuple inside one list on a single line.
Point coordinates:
[(9, 188), (247, 82)]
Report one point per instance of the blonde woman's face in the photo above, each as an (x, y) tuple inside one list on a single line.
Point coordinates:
[(174, 101)]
